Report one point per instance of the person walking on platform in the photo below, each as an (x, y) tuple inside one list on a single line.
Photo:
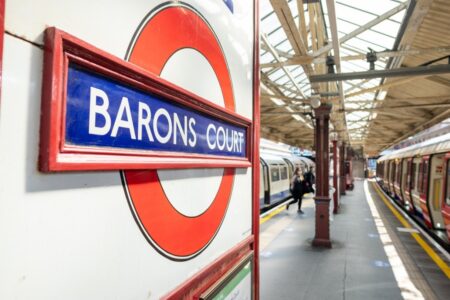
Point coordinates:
[(297, 187), (310, 180)]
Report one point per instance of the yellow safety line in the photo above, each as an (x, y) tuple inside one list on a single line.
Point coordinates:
[(441, 264), (272, 214)]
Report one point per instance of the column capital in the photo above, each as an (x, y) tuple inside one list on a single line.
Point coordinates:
[(323, 110)]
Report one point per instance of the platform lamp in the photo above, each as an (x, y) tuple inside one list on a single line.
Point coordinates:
[(315, 101)]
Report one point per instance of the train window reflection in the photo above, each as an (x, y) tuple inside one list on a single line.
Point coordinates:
[(284, 173), (274, 173), (413, 176), (420, 177), (425, 176)]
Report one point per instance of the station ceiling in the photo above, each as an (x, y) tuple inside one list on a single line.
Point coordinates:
[(297, 36)]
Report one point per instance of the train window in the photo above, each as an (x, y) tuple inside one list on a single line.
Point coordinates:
[(283, 173), (419, 187), (447, 193), (274, 173), (425, 176), (394, 167), (398, 173), (413, 176), (408, 175)]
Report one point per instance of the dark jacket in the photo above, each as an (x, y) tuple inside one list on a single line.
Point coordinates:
[(298, 187), (310, 178)]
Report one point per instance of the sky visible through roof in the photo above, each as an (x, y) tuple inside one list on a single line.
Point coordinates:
[(351, 14)]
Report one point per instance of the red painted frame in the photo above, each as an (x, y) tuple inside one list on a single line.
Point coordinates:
[(205, 278), (255, 143), (61, 49), (196, 285)]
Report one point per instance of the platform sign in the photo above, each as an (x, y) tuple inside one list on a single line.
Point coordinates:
[(103, 113), (144, 119), (106, 113)]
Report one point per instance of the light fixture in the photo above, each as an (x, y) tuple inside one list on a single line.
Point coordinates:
[(315, 101)]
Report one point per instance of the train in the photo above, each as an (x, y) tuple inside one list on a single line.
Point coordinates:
[(418, 178), (277, 165)]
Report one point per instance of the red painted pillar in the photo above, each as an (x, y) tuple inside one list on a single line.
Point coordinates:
[(322, 198), (342, 168), (335, 177)]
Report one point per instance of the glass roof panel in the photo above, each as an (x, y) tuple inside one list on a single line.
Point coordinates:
[(397, 18), (351, 14), (265, 8), (378, 9), (285, 46), (283, 80), (277, 74), (277, 36), (266, 58)]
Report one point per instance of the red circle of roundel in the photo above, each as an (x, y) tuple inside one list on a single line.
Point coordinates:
[(177, 236)]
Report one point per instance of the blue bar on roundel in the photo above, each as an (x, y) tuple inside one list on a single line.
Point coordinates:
[(105, 113)]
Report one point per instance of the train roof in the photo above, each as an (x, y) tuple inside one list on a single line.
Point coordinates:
[(434, 145), (270, 158), (308, 161)]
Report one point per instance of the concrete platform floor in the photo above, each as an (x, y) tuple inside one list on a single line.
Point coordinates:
[(370, 257)]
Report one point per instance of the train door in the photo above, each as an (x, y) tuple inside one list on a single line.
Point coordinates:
[(446, 200), (392, 176), (405, 182), (415, 195), (435, 190), (290, 168), (262, 183), (397, 180), (264, 174), (423, 190), (385, 174)]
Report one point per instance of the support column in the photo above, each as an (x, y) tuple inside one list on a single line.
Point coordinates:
[(322, 198), (335, 177), (342, 168)]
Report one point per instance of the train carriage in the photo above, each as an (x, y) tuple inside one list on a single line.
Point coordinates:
[(418, 178), (275, 177), (277, 165)]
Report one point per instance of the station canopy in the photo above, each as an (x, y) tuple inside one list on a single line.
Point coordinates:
[(383, 67)]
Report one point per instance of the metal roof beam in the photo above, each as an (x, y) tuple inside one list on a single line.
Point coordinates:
[(302, 24), (291, 99), (384, 87), (307, 59), (413, 71), (434, 105), (364, 27), (286, 19), (286, 71)]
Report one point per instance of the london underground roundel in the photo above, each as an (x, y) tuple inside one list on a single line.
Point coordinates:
[(174, 233)]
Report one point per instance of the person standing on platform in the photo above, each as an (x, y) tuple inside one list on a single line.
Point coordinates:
[(297, 187), (310, 180)]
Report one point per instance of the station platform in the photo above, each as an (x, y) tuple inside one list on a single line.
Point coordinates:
[(376, 253)]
